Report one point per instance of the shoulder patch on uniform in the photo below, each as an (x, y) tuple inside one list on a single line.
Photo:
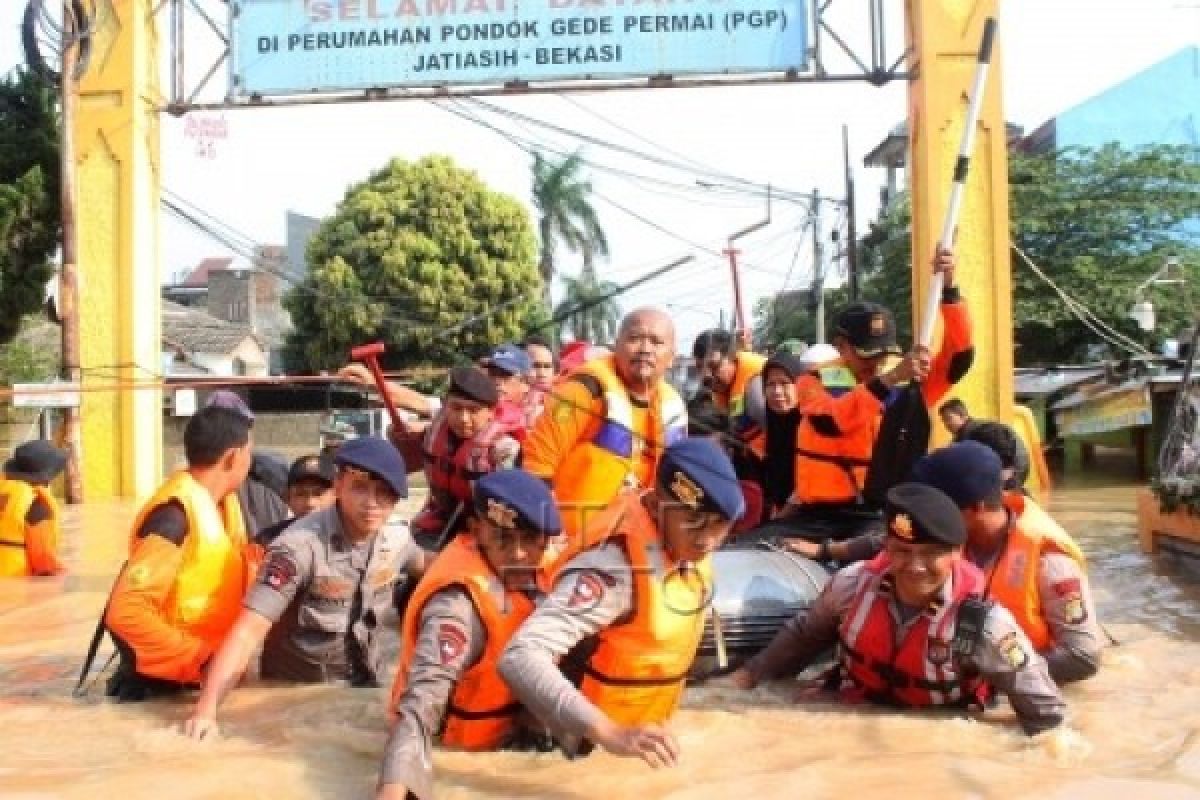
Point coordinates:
[(588, 592), (1071, 592), (279, 570), (451, 642), (1068, 587), (1013, 651)]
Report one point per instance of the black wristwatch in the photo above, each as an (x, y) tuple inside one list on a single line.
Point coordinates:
[(823, 553)]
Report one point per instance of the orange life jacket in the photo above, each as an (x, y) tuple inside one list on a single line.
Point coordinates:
[(595, 471), (922, 670), (748, 429), (214, 573), (637, 672), (482, 709), (16, 498), (833, 469), (1013, 579)]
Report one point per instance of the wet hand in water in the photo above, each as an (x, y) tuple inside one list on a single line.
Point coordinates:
[(651, 743), (201, 728)]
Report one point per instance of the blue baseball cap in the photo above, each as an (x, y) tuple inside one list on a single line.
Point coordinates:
[(377, 457), (698, 474), (967, 472), (511, 359), (512, 498)]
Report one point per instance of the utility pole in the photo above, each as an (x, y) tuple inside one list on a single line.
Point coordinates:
[(68, 282), (739, 310), (851, 230), (814, 211)]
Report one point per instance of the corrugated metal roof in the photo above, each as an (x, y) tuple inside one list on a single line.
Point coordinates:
[(1039, 383)]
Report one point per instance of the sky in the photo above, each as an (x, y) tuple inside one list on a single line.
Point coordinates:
[(1054, 54)]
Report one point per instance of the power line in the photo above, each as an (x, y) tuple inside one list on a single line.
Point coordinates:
[(632, 133), (629, 151)]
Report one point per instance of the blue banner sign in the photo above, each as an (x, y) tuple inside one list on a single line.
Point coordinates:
[(282, 47)]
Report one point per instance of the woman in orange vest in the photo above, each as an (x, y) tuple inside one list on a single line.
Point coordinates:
[(29, 515), (1031, 565), (181, 589), (466, 608), (637, 585)]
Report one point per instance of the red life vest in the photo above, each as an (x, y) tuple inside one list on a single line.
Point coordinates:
[(922, 670), (451, 469)]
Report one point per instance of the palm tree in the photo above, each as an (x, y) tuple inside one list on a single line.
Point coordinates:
[(562, 198), (588, 308)]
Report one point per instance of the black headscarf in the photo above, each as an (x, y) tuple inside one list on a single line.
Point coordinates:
[(779, 466)]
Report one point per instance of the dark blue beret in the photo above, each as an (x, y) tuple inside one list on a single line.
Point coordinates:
[(919, 513), (967, 471), (377, 457), (698, 474), (512, 498)]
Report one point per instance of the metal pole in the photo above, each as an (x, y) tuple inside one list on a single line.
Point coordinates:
[(851, 228), (68, 282), (818, 265)]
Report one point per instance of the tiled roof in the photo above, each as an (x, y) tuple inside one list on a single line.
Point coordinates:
[(197, 331)]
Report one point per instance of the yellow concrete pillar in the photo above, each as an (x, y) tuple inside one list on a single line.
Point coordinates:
[(117, 153), (944, 41)]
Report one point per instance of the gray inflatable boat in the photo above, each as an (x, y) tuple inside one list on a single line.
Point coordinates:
[(759, 587)]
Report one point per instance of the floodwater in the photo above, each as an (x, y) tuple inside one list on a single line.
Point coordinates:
[(1133, 731)]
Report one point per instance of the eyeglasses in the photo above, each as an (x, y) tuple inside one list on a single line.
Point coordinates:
[(543, 365)]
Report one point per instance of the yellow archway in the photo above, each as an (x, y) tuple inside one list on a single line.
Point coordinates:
[(118, 208)]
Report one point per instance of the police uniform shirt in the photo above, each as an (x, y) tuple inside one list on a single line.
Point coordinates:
[(325, 596), (1070, 613), (1003, 656), (450, 641), (593, 591)]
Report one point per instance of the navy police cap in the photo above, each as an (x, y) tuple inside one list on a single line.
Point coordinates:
[(378, 457), (921, 514), (698, 474), (967, 472), (512, 498)]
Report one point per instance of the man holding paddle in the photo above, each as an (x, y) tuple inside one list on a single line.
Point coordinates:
[(844, 404)]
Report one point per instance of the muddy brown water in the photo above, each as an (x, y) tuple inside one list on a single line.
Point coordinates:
[(1133, 731)]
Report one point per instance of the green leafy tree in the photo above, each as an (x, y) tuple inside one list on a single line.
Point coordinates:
[(562, 197), (591, 313), (30, 223), (423, 256), (793, 315), (32, 355), (1098, 222)]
